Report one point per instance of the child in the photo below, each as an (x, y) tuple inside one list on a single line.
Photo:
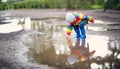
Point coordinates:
[(78, 21)]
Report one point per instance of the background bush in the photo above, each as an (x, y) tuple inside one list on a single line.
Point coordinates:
[(75, 4), (68, 4)]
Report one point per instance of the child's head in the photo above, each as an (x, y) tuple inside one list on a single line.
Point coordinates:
[(70, 17)]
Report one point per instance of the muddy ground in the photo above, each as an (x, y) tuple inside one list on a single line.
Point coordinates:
[(108, 16), (13, 51)]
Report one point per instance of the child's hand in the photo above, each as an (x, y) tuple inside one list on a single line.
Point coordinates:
[(92, 20)]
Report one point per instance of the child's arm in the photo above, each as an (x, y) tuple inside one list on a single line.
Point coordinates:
[(89, 18), (69, 30), (86, 17)]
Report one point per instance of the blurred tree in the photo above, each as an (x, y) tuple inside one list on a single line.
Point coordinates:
[(69, 4), (111, 4)]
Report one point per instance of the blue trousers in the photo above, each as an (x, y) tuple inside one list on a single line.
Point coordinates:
[(80, 32)]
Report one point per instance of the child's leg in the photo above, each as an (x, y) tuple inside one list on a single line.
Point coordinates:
[(76, 28), (83, 33), (82, 29)]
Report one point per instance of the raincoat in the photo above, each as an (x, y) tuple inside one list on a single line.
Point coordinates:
[(78, 25)]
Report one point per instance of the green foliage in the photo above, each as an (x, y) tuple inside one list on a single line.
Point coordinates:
[(96, 6), (112, 4), (1, 6), (36, 4), (49, 4), (69, 4)]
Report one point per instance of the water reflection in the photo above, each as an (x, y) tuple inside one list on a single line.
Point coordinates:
[(9, 23), (52, 48)]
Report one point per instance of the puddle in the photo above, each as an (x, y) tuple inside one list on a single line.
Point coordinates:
[(99, 37), (57, 33)]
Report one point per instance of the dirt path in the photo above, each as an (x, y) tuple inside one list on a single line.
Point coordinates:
[(108, 16)]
